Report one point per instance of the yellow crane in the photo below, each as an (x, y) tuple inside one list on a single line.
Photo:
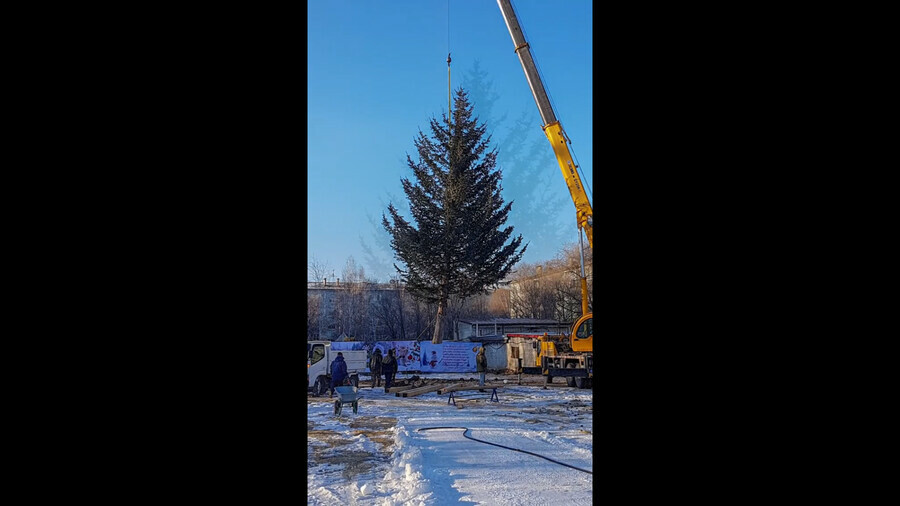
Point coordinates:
[(582, 331)]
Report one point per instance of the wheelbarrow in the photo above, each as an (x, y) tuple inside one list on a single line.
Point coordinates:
[(349, 394)]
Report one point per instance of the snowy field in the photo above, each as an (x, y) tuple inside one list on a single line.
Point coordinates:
[(381, 456)]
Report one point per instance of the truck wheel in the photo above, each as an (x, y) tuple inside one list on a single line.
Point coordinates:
[(354, 380), (569, 379), (581, 382), (320, 386)]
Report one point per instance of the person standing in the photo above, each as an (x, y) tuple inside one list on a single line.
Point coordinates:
[(376, 368), (338, 372), (389, 367), (481, 366)]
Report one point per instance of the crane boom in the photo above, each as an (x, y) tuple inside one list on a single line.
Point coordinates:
[(551, 126), (582, 338)]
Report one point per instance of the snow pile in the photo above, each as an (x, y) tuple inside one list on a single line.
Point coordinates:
[(404, 484)]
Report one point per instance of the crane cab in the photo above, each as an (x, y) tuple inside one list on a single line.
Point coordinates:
[(583, 333)]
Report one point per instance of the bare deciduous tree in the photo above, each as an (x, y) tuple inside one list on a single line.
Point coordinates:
[(532, 295), (551, 290), (353, 302), (389, 312), (316, 270), (313, 305), (570, 286)]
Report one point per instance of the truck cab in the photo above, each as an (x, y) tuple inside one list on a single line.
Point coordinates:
[(320, 355)]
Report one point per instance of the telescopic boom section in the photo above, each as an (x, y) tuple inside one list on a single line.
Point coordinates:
[(551, 126)]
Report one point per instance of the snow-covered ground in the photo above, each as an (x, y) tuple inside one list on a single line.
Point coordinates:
[(381, 456)]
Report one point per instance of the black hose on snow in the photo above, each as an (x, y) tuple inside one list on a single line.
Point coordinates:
[(507, 447)]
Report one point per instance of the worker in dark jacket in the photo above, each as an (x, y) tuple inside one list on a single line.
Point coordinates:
[(376, 368), (338, 372), (389, 368), (481, 366)]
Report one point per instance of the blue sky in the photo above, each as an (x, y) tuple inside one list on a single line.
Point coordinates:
[(377, 73)]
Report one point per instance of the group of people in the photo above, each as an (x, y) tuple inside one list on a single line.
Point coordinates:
[(379, 366), (383, 365), (388, 366)]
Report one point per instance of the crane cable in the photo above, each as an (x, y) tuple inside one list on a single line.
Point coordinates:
[(466, 429), (449, 89)]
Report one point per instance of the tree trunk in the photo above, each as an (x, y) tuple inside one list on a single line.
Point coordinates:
[(400, 312), (436, 338)]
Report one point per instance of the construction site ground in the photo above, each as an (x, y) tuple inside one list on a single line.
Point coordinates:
[(378, 454)]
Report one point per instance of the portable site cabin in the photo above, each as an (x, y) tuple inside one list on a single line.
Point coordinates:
[(524, 346)]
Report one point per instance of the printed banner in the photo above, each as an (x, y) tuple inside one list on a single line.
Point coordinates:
[(421, 355), (406, 352), (449, 357)]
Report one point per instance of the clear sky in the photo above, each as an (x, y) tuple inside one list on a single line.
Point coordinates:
[(377, 73)]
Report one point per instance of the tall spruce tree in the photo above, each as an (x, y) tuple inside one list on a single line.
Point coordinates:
[(458, 245)]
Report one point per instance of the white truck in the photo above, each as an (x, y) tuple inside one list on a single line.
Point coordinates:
[(319, 357)]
